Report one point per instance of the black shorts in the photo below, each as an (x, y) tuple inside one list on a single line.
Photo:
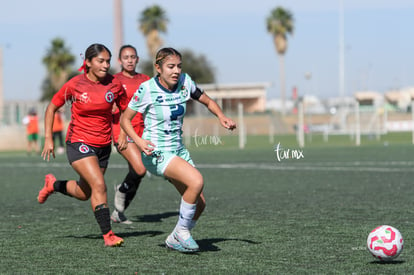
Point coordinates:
[(78, 150)]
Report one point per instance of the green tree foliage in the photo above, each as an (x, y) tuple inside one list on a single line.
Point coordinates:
[(152, 22), (279, 24), (197, 66), (58, 62)]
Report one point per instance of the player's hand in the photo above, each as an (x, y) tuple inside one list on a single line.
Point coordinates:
[(122, 142), (228, 123), (48, 149), (146, 146)]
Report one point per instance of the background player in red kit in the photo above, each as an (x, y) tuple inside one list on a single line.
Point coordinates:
[(130, 79), (32, 130), (92, 96)]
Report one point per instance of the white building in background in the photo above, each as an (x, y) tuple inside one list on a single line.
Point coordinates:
[(276, 105), (228, 96), (369, 98), (401, 99), (311, 104)]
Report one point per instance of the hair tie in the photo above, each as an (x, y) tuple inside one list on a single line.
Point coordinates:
[(83, 67)]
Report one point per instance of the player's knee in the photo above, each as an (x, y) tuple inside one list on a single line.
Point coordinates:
[(81, 190), (84, 197), (100, 187), (141, 171), (198, 183), (135, 176)]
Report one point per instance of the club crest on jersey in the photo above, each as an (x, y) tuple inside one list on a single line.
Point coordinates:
[(184, 92), (158, 155), (160, 158), (109, 96), (83, 148)]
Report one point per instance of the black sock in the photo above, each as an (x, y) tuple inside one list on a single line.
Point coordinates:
[(102, 216), (124, 187), (60, 186), (130, 186)]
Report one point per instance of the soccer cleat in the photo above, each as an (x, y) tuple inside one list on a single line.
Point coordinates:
[(119, 201), (47, 188), (174, 244), (119, 217), (188, 243), (112, 240)]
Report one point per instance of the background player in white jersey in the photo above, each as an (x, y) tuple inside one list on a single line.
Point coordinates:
[(162, 101)]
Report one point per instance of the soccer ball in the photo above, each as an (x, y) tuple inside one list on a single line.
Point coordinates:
[(385, 243)]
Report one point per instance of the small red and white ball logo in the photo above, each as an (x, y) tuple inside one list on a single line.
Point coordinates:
[(385, 243)]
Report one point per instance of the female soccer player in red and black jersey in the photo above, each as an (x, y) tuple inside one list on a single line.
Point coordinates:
[(130, 79), (88, 140)]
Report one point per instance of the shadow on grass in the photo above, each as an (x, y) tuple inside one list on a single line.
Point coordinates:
[(208, 245), (387, 262), (122, 235), (155, 217)]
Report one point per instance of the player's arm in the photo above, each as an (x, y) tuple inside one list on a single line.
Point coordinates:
[(48, 147), (145, 146), (122, 139), (214, 108), (121, 103)]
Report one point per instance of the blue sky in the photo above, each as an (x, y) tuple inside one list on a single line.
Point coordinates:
[(379, 40)]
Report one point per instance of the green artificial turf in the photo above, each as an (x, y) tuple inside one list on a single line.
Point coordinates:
[(307, 215)]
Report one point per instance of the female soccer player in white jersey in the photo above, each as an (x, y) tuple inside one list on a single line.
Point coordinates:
[(162, 101)]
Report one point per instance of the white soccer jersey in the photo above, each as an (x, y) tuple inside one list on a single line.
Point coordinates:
[(163, 111)]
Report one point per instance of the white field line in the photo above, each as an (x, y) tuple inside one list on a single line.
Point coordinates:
[(308, 167), (368, 166)]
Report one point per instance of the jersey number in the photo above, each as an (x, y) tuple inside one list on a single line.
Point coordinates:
[(176, 111)]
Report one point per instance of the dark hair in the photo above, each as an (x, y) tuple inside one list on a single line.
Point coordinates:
[(125, 47), (93, 51), (32, 112), (163, 53)]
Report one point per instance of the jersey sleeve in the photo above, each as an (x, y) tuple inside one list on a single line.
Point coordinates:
[(140, 100), (195, 92), (65, 94), (122, 99)]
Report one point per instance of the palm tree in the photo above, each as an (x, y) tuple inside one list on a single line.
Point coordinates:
[(279, 25), (58, 61), (153, 21)]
